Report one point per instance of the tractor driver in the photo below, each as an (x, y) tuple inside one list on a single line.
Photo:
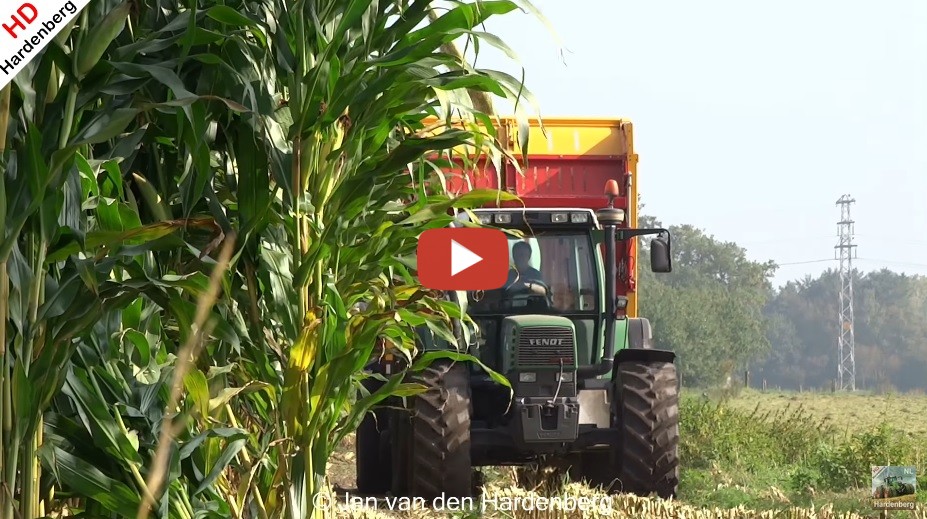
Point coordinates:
[(522, 272)]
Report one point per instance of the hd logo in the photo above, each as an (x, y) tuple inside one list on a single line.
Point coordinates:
[(29, 28)]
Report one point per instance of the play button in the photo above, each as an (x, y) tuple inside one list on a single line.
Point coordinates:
[(462, 258)]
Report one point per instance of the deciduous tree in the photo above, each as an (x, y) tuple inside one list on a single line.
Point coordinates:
[(710, 308)]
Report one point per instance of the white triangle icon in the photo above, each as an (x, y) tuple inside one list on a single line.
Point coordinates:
[(462, 258)]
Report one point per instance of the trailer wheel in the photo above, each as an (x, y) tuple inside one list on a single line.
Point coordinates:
[(437, 458), (372, 449), (647, 414)]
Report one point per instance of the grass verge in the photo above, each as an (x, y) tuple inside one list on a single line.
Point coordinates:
[(775, 457)]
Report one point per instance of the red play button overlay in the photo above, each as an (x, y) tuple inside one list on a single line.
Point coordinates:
[(463, 259)]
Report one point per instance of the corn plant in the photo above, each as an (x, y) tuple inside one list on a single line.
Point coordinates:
[(70, 256), (298, 127), (48, 299), (355, 81), (327, 176)]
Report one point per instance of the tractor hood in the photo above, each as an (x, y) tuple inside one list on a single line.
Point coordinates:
[(538, 343)]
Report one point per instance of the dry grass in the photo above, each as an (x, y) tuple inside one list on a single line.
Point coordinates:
[(849, 412)]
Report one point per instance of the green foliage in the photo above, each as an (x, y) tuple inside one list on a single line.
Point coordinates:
[(59, 192), (709, 309), (106, 422), (714, 432), (845, 464), (718, 311), (788, 447)]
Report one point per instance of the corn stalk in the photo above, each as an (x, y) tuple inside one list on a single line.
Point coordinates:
[(56, 277), (6, 402), (350, 147)]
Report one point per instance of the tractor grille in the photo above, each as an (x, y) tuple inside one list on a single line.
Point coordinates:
[(545, 346)]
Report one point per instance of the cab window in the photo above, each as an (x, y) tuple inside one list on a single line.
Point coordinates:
[(564, 264)]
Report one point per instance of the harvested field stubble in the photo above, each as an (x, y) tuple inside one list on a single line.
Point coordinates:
[(510, 502), (775, 461)]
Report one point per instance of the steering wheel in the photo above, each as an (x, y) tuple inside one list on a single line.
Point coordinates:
[(528, 288), (534, 290)]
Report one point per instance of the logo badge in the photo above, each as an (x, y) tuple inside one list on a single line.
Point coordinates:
[(29, 28), (463, 259)]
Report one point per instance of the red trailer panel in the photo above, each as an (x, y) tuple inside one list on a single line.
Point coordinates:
[(568, 166)]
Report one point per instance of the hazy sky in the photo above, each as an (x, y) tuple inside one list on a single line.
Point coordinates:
[(752, 118)]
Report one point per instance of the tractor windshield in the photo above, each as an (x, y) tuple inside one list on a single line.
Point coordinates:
[(550, 272)]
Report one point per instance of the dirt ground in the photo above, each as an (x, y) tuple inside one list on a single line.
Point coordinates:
[(341, 471)]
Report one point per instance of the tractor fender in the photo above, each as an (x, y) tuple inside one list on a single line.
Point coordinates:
[(640, 333), (642, 355)]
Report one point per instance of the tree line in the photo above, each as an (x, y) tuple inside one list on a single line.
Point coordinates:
[(722, 315)]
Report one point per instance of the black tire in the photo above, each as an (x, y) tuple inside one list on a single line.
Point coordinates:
[(436, 451), (372, 450), (647, 414), (400, 427)]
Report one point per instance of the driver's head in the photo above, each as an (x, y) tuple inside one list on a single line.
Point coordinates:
[(521, 254)]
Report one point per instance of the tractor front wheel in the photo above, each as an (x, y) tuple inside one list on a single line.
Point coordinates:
[(435, 444), (646, 409)]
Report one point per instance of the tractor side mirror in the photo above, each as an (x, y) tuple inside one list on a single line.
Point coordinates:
[(660, 255)]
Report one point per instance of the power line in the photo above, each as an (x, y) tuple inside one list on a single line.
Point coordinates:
[(873, 260), (869, 237), (805, 262), (890, 262)]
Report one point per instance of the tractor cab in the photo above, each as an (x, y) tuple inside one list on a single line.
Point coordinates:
[(554, 282), (541, 326)]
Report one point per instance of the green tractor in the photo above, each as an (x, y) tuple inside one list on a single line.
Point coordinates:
[(892, 486), (589, 390)]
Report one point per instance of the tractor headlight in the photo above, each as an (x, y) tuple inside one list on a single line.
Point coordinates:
[(485, 219), (503, 218), (528, 377), (559, 218), (565, 377), (579, 217)]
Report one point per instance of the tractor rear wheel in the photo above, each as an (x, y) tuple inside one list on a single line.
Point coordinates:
[(646, 410), (372, 449), (435, 445)]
